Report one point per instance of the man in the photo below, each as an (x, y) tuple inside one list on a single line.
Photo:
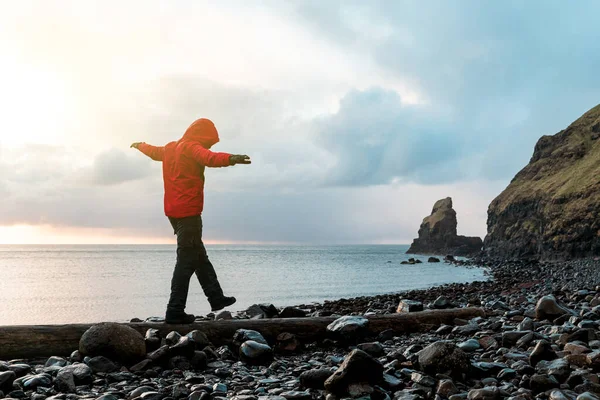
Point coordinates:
[(183, 165)]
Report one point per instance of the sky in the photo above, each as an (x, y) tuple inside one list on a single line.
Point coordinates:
[(357, 115)]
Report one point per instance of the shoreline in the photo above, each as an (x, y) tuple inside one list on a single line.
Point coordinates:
[(528, 345)]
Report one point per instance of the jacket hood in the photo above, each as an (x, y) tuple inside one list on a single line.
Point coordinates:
[(202, 131)]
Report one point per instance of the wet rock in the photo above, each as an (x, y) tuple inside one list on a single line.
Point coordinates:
[(593, 359), (256, 353), (101, 364), (407, 306), (358, 367), (292, 312), (511, 338), (407, 395), (115, 341), (348, 328), (315, 378), (433, 260), (559, 395), (55, 362), (443, 357), (139, 391), (141, 366), (160, 356), (422, 379), (31, 382), (547, 307)]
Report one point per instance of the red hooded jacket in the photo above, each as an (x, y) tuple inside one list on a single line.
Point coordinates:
[(183, 167)]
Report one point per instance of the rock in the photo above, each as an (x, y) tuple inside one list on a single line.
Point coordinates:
[(374, 349), (588, 396), (223, 315), (470, 345), (348, 328), (446, 388), (358, 367), (542, 351), (139, 391), (256, 353), (406, 306), (55, 362), (101, 364), (559, 395), (486, 393), (315, 378), (546, 211), (292, 312), (32, 382), (593, 359), (152, 339), (179, 362), (288, 343), (160, 355), (422, 379), (443, 357), (548, 308), (433, 260), (441, 303), (199, 360), (296, 395), (260, 311), (73, 375), (200, 339), (65, 381), (6, 380), (437, 234), (540, 383), (115, 341), (172, 338), (407, 395), (185, 347), (141, 366), (243, 335)]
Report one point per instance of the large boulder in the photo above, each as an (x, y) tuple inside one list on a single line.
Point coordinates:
[(437, 234), (114, 341), (550, 209)]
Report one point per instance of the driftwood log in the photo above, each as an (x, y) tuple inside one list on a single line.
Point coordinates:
[(36, 341)]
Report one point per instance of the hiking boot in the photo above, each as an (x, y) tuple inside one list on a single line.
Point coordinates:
[(179, 318), (221, 303)]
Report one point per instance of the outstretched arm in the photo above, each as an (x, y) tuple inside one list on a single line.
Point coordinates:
[(154, 152), (212, 159)]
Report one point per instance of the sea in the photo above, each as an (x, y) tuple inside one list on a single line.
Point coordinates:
[(62, 284)]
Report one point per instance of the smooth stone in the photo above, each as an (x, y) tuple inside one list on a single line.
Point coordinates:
[(543, 351), (115, 341), (296, 395), (486, 393), (256, 353), (243, 335), (292, 312), (348, 327), (470, 345), (547, 307), (199, 338), (374, 349), (101, 364)]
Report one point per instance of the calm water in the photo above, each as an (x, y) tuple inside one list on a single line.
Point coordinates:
[(67, 284)]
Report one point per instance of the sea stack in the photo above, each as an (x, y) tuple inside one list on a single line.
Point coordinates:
[(437, 234), (550, 209)]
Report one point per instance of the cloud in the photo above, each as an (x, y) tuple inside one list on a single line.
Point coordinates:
[(113, 167)]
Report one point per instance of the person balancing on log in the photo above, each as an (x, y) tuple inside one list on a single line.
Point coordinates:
[(183, 164)]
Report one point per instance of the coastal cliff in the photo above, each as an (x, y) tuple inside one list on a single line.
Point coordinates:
[(551, 208), (438, 234)]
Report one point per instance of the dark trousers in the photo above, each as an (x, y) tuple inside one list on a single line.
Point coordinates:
[(191, 258)]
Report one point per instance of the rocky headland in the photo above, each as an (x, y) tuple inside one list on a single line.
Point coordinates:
[(550, 209), (438, 234)]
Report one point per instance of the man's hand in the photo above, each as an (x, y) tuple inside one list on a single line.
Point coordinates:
[(135, 145), (239, 159)]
